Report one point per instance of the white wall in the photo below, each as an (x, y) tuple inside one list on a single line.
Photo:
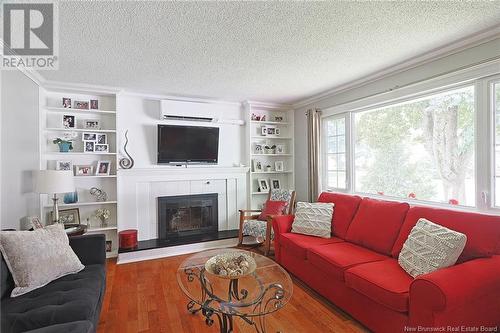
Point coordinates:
[(431, 69), (19, 147), (141, 115)]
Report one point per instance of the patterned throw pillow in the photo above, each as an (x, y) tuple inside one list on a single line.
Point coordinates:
[(314, 219), (272, 208), (35, 258), (430, 247)]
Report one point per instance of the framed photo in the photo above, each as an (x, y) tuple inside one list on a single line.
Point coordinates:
[(278, 118), (263, 130), (109, 246), (257, 166), (275, 184), (278, 166), (68, 216), (102, 139), (103, 168), (271, 130), (64, 165), (277, 131), (84, 170), (68, 121), (66, 103), (88, 146), (263, 185), (98, 148), (82, 105), (280, 149), (87, 136), (258, 149), (91, 124), (94, 104)]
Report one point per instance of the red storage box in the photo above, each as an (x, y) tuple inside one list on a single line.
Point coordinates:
[(127, 239)]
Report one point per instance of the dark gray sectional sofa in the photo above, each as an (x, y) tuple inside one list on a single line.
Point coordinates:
[(69, 304)]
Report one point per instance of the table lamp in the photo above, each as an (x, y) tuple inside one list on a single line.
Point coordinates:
[(53, 182)]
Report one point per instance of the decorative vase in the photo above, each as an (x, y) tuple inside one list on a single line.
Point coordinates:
[(104, 222), (70, 198), (64, 146)]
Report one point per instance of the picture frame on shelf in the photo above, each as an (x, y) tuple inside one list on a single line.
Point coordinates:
[(94, 104), (263, 131), (89, 136), (91, 124), (258, 148), (280, 149), (81, 105), (271, 130), (68, 216), (88, 146), (279, 166), (64, 165), (84, 170), (275, 184), (66, 103), (101, 148), (263, 185), (109, 245), (103, 168), (101, 138), (68, 121), (278, 119), (257, 166)]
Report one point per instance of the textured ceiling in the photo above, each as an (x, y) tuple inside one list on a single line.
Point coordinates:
[(266, 51)]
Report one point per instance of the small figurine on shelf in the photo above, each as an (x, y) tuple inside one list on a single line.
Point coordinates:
[(103, 214)]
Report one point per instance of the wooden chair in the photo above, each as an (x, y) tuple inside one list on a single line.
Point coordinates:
[(250, 225)]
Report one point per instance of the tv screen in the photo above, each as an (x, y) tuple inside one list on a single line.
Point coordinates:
[(187, 144)]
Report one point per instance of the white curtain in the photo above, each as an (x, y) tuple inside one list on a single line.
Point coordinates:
[(313, 145)]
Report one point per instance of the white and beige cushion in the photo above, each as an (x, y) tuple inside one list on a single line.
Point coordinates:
[(35, 258), (430, 247), (314, 219)]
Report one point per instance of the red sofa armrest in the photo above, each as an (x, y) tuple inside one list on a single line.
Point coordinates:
[(281, 225), (465, 294)]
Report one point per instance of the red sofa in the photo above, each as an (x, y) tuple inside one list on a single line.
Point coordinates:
[(357, 268)]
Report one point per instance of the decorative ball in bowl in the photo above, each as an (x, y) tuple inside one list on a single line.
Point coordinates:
[(231, 265)]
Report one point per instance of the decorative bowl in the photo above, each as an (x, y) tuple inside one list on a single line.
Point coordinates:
[(231, 265)]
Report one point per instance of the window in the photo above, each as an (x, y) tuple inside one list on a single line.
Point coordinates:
[(334, 161), (421, 149), (496, 110)]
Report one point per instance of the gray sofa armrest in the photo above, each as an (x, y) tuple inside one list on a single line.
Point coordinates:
[(90, 249)]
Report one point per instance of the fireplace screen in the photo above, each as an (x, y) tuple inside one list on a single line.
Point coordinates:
[(187, 215)]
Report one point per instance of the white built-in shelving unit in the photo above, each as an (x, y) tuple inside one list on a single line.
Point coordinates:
[(51, 127), (276, 117)]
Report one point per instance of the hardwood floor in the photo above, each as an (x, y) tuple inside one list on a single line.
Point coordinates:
[(145, 297)]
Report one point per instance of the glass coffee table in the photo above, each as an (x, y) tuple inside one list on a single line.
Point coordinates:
[(250, 297)]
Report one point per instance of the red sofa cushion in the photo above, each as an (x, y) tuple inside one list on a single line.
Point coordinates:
[(272, 208), (298, 244), (335, 258), (483, 231), (385, 282), (377, 224), (345, 208)]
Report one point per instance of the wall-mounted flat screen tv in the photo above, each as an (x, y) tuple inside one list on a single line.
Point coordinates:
[(188, 144)]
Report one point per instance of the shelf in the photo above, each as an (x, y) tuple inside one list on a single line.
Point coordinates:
[(112, 254), (273, 172), (272, 155), (269, 122), (76, 153), (259, 193), (80, 204), (71, 110), (102, 229), (54, 129), (262, 137), (85, 177)]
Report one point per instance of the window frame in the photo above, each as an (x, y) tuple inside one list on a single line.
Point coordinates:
[(483, 80), (324, 151)]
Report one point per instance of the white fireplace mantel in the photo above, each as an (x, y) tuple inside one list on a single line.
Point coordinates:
[(138, 190)]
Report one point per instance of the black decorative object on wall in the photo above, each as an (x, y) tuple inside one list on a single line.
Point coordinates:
[(126, 162)]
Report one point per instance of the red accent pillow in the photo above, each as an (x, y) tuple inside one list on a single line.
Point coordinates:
[(272, 208)]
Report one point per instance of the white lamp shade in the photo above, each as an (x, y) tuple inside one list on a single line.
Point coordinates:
[(53, 181)]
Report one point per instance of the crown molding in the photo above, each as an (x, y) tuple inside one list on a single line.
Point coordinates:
[(462, 44)]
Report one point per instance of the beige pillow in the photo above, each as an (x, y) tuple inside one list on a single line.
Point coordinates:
[(35, 258), (430, 247), (314, 219)]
